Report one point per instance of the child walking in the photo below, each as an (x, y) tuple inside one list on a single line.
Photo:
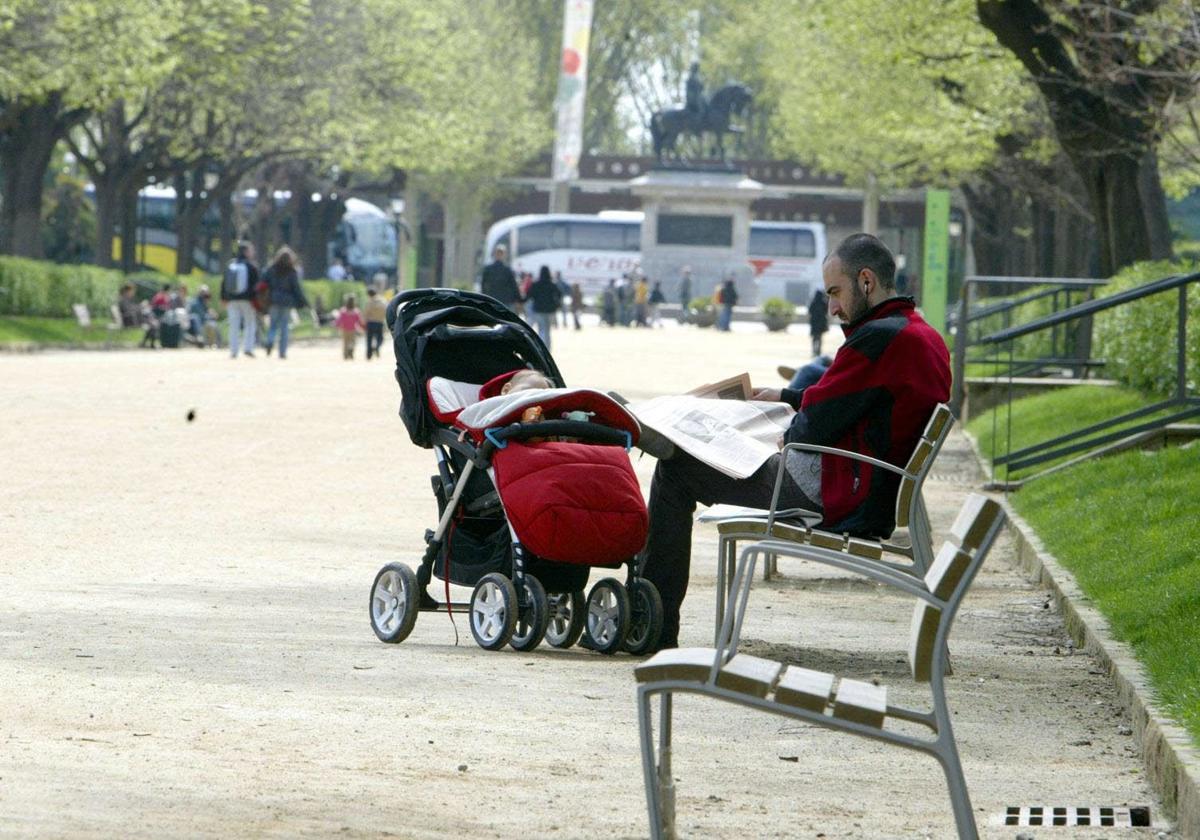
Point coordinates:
[(350, 323)]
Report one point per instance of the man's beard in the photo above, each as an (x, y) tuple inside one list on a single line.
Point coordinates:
[(857, 305)]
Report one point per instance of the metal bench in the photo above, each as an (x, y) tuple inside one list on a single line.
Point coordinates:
[(789, 526), (820, 698)]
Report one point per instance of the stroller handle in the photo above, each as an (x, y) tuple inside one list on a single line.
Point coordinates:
[(416, 294), (585, 431)]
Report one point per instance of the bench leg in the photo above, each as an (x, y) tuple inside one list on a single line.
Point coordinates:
[(726, 565), (960, 800), (660, 787)]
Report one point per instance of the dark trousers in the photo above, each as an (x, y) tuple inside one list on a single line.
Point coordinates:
[(374, 338), (679, 483)]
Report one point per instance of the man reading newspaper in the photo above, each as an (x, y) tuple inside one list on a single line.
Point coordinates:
[(875, 399)]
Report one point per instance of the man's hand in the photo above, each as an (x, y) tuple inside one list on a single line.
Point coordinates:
[(767, 395)]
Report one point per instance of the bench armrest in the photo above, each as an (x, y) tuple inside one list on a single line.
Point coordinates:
[(772, 511)]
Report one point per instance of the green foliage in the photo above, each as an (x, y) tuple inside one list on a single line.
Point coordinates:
[(329, 294), (32, 287), (1138, 565), (778, 308), (902, 92), (69, 223), (1138, 341), (1035, 345)]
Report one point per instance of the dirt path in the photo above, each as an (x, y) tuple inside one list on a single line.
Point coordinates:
[(185, 651)]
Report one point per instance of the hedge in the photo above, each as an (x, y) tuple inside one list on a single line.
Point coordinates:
[(1138, 340), (47, 289), (329, 294), (32, 287)]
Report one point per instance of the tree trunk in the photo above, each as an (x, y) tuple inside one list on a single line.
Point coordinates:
[(1106, 127), (127, 199), (25, 151), (227, 233), (106, 217)]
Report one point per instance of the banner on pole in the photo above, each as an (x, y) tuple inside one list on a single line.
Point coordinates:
[(937, 258), (572, 85)]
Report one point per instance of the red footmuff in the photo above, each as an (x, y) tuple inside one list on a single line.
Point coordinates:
[(572, 502)]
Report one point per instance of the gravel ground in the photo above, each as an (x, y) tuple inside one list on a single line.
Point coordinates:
[(185, 649)]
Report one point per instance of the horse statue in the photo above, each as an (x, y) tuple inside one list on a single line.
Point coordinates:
[(666, 126)]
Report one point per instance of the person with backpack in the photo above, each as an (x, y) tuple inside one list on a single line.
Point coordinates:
[(237, 292), (284, 293)]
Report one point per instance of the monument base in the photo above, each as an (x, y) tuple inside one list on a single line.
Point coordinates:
[(697, 218)]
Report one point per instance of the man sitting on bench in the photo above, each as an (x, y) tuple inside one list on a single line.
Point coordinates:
[(875, 399)]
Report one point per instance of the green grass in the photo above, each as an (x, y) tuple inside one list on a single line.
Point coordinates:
[(1125, 526), (1046, 416), (23, 331), (18, 331)]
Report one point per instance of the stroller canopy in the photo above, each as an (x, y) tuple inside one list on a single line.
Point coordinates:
[(462, 336)]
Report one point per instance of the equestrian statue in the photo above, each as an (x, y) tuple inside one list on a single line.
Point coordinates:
[(698, 116)]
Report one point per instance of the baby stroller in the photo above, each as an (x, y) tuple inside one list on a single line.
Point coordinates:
[(526, 508)]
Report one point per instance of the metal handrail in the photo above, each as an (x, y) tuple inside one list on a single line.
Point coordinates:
[(1091, 307), (1181, 406), (1058, 285)]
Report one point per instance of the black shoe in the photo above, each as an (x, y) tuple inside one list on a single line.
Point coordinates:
[(269, 349)]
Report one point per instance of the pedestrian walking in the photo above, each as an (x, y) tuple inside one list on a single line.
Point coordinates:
[(564, 294), (349, 323), (544, 299), (641, 301), (685, 288), (818, 319), (237, 292), (576, 303), (728, 299), (608, 303), (284, 294), (375, 313), (498, 280), (657, 299)]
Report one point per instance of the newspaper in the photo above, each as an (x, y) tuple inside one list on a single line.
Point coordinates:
[(730, 435), (734, 388)]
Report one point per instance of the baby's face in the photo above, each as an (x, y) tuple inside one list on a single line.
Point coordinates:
[(525, 381)]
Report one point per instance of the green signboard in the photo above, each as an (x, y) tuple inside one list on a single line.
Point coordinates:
[(937, 258)]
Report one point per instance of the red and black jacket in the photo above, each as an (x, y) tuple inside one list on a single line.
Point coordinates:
[(875, 399)]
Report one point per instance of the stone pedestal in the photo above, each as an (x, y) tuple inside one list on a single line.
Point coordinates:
[(698, 219)]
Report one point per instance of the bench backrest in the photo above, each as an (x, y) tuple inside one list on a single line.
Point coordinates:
[(921, 462), (950, 576)]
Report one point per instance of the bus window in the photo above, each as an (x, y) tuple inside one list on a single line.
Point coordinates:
[(806, 244), (600, 236), (771, 242), (781, 242), (544, 236)]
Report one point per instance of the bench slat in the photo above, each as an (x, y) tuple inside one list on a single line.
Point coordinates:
[(865, 548), (804, 688), (861, 702), (677, 664), (749, 674)]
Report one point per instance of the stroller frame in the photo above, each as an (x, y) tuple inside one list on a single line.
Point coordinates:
[(513, 609)]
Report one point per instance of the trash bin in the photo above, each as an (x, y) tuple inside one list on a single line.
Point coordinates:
[(169, 334)]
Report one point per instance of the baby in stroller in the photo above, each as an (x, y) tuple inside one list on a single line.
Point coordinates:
[(534, 486)]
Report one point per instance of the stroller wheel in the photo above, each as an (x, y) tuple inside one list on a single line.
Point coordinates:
[(567, 615), (493, 611), (646, 621), (395, 598), (532, 620), (608, 613)]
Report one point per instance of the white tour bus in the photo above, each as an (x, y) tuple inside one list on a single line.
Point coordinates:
[(591, 250)]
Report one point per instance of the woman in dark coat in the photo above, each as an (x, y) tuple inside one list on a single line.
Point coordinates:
[(286, 294)]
